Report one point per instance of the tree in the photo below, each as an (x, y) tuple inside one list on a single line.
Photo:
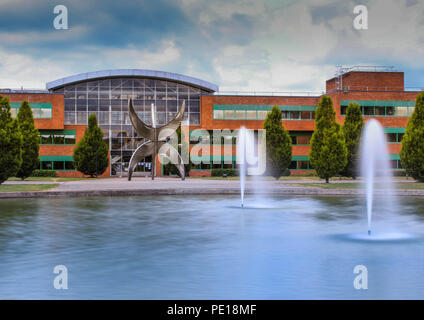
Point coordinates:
[(10, 142), (278, 144), (352, 128), (412, 152), (170, 168), (328, 153), (30, 141), (91, 152)]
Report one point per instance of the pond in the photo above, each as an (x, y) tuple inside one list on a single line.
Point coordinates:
[(206, 247)]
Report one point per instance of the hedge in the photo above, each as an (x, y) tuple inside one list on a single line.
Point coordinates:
[(43, 173)]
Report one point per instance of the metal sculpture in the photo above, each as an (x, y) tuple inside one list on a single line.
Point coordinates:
[(156, 138)]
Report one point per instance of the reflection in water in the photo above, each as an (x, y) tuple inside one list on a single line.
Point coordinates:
[(206, 247)]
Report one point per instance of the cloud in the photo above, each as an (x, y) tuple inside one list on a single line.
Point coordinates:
[(242, 45)]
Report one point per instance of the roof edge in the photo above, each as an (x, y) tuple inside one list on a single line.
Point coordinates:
[(114, 73)]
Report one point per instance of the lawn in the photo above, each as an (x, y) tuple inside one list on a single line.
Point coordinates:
[(49, 179), (26, 187)]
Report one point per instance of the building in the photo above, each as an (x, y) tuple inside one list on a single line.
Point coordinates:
[(61, 112)]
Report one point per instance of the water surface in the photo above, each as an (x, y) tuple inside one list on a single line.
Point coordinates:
[(206, 247)]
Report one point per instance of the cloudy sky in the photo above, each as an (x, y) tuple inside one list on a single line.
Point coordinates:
[(276, 45)]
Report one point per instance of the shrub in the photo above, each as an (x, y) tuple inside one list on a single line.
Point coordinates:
[(44, 173), (221, 172)]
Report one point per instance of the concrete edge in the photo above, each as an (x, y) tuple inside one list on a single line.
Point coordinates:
[(194, 191)]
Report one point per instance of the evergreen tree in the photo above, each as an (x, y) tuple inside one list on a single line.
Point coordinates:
[(30, 141), (328, 149), (412, 152), (91, 152), (10, 142), (352, 128), (278, 144)]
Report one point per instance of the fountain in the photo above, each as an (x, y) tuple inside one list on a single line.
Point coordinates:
[(374, 163), (245, 156)]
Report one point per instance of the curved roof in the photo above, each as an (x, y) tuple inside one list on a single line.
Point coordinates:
[(131, 73)]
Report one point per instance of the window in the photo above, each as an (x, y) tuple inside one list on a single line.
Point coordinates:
[(303, 140), (368, 111), (286, 115), (391, 137), (402, 111), (251, 114), (303, 165), (46, 165), (58, 165), (305, 115), (390, 111), (294, 115), (58, 137), (46, 139), (240, 114), (218, 114), (262, 114), (228, 114), (69, 165), (380, 111)]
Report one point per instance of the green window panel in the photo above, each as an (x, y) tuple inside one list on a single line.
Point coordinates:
[(300, 158), (381, 108), (40, 110), (57, 163), (58, 137), (394, 130), (259, 112), (56, 158)]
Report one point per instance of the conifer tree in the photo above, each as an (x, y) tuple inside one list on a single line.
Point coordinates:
[(412, 152), (91, 152), (352, 129), (10, 142), (328, 154), (278, 144), (30, 141)]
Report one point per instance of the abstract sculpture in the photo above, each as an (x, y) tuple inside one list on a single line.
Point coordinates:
[(157, 139)]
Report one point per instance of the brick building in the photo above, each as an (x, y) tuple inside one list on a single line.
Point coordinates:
[(61, 113)]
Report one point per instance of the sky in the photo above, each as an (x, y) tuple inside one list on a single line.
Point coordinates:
[(240, 45)]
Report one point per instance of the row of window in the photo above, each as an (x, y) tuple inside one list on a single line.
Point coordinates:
[(394, 137), (122, 118), (382, 111), (57, 165), (260, 115), (294, 165), (37, 113), (296, 139), (51, 138)]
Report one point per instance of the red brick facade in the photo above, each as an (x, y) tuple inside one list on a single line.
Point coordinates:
[(356, 85)]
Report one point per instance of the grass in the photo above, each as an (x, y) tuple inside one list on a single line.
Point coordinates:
[(52, 179), (26, 187), (357, 185)]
